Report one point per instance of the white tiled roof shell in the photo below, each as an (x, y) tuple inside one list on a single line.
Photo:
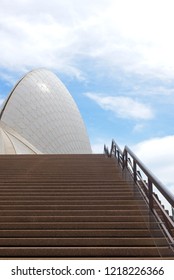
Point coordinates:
[(42, 111), (13, 143)]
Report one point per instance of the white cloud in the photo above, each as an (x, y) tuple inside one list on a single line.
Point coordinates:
[(98, 148), (138, 127), (123, 107), (26, 44), (1, 101), (134, 36), (158, 156), (7, 77)]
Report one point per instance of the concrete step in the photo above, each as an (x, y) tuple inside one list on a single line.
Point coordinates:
[(48, 233), (81, 207), (87, 252), (75, 218), (83, 242), (73, 213), (56, 201), (78, 225)]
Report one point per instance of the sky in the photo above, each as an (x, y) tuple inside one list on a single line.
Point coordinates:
[(116, 57)]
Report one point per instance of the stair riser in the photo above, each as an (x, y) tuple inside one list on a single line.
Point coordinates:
[(73, 202), (6, 209), (47, 219), (92, 213), (137, 233), (82, 242), (77, 225), (83, 252)]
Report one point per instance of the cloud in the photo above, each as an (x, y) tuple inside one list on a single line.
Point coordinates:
[(28, 44), (8, 77), (97, 148), (123, 107), (128, 36), (158, 156), (138, 127), (1, 101)]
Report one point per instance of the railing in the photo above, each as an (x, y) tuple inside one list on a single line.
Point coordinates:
[(149, 185)]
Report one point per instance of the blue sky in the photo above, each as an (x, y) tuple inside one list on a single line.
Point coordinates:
[(116, 57)]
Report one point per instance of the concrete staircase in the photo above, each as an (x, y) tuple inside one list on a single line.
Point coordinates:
[(74, 206)]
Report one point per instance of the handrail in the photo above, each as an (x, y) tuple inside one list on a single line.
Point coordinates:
[(159, 185), (129, 161)]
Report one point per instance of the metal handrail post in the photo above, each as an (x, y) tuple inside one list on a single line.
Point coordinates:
[(112, 146), (150, 188), (115, 151), (125, 159), (118, 155), (172, 213), (135, 170)]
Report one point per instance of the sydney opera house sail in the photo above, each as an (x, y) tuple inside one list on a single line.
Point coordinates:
[(40, 116)]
